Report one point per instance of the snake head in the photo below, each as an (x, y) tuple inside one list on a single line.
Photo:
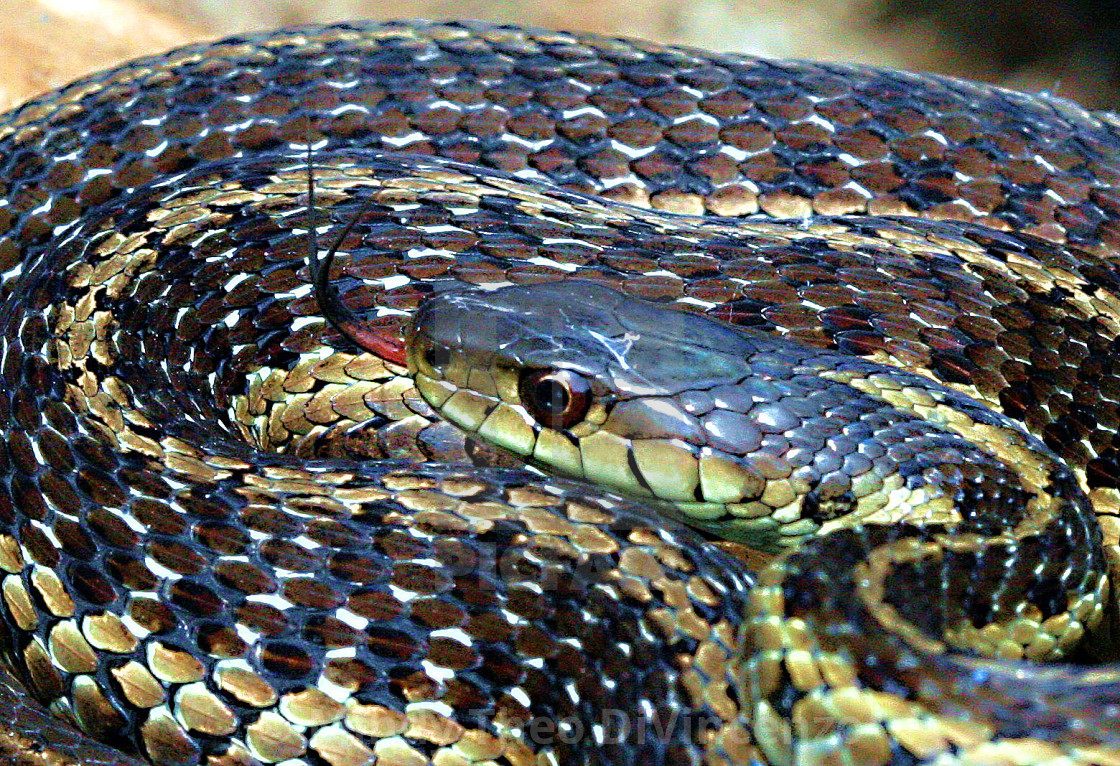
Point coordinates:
[(581, 379)]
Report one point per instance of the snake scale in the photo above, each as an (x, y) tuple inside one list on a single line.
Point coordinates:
[(229, 534)]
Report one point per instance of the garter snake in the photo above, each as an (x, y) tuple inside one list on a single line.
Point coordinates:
[(228, 534)]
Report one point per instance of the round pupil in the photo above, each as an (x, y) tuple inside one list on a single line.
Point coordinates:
[(551, 395)]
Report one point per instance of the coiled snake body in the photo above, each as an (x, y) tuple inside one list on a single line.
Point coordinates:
[(230, 535)]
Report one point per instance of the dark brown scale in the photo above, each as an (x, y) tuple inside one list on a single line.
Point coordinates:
[(264, 619), (93, 586), (286, 660), (244, 577), (194, 598)]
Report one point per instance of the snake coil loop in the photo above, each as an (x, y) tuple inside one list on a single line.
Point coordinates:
[(235, 529)]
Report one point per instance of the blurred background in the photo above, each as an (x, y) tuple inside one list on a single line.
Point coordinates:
[(1067, 47)]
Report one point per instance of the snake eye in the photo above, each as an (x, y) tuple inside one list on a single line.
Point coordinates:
[(555, 398)]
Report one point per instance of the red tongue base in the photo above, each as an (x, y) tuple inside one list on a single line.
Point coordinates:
[(381, 342)]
